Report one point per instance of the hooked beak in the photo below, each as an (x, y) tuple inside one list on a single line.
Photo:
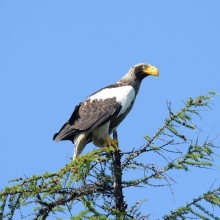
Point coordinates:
[(152, 70)]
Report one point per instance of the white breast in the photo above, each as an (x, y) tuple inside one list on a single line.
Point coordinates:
[(124, 95)]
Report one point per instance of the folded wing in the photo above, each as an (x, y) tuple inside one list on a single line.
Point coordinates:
[(87, 116)]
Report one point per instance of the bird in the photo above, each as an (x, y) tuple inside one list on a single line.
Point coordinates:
[(95, 119)]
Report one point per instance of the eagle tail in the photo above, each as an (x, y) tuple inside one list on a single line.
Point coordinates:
[(65, 133), (55, 137)]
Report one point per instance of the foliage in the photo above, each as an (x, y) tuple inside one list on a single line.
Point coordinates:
[(91, 177)]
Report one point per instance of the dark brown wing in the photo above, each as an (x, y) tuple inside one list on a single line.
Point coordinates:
[(87, 116)]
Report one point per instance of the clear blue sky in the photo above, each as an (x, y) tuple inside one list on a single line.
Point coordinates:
[(53, 54)]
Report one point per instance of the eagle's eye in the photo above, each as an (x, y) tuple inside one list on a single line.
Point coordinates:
[(144, 67)]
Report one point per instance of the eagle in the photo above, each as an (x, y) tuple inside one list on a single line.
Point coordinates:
[(94, 119)]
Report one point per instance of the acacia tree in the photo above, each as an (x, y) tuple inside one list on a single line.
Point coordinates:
[(99, 174)]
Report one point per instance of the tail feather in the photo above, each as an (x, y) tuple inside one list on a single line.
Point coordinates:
[(55, 136), (65, 134)]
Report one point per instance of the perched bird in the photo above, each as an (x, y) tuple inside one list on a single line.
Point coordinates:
[(99, 115)]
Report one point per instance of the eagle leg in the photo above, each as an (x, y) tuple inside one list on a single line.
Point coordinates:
[(111, 142)]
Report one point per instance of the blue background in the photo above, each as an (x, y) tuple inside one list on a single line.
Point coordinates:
[(54, 54)]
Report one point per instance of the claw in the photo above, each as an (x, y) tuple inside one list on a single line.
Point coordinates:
[(111, 142)]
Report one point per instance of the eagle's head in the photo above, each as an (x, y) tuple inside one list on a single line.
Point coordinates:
[(142, 70), (138, 72)]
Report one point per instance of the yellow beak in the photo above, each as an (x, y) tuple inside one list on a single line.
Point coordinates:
[(152, 70)]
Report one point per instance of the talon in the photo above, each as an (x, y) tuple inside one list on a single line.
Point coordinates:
[(111, 142)]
